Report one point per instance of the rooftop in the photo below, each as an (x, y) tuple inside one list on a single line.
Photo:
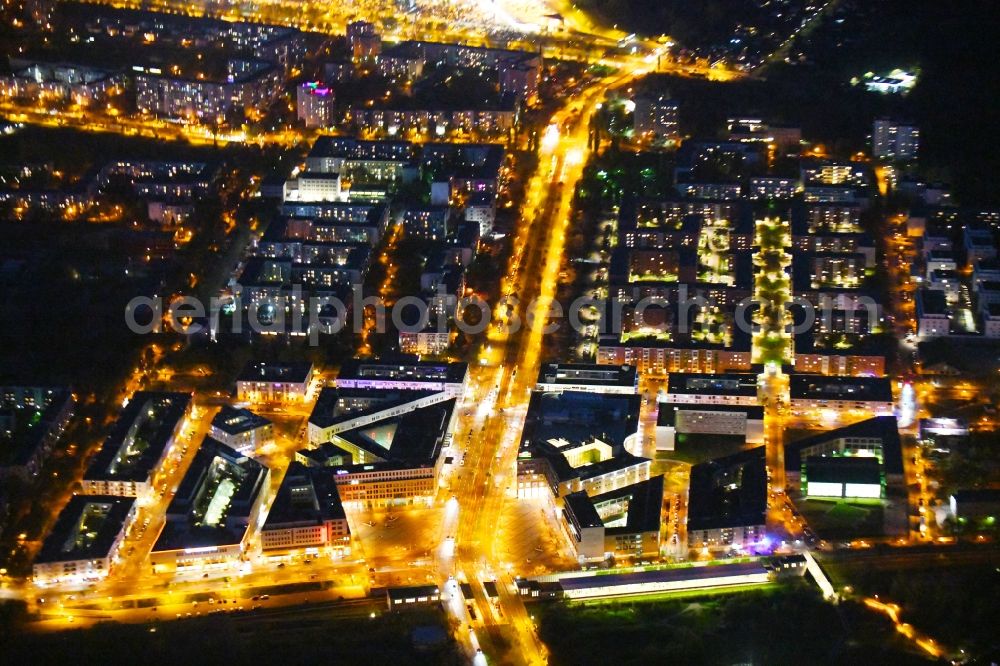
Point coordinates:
[(703, 384), (843, 469), (307, 496), (728, 492), (86, 528), (661, 576), (859, 389), (882, 428), (627, 510), (624, 376), (667, 413), (358, 370), (234, 421), (139, 436), (214, 500), (293, 373)]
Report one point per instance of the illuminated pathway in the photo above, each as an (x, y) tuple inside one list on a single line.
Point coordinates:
[(772, 343)]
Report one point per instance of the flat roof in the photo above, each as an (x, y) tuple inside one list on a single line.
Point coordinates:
[(307, 496), (294, 373), (645, 501), (931, 302), (728, 492), (337, 404), (662, 575), (879, 427), (843, 469), (667, 411), (410, 591), (29, 424), (86, 529), (233, 420), (560, 421), (412, 439), (735, 384), (139, 436), (823, 387), (592, 374), (214, 499), (978, 495), (579, 506), (404, 370)]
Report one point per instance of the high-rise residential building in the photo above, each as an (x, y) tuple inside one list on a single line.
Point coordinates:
[(314, 104), (893, 140), (656, 117)]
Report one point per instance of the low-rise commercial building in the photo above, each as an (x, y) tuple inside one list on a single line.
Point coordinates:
[(827, 464), (842, 477), (400, 598)]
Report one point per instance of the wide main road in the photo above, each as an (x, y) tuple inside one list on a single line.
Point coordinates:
[(500, 387)]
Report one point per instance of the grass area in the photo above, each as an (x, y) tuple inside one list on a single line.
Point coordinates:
[(786, 623), (301, 635), (843, 520), (954, 603)]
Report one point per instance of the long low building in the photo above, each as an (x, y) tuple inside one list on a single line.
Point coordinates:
[(218, 507), (674, 421), (139, 442), (448, 378), (83, 546), (659, 580), (708, 389), (619, 379), (871, 395)]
